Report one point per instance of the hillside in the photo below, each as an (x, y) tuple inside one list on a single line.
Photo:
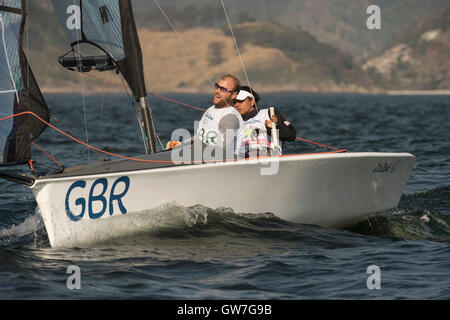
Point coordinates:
[(316, 62), (277, 56), (284, 59), (340, 23), (275, 59), (169, 66), (418, 57)]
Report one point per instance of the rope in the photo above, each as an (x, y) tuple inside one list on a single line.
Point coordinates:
[(151, 94), (30, 164), (143, 160), (191, 54), (71, 132), (84, 111), (318, 144), (202, 109), (79, 37), (47, 154), (177, 102), (79, 141), (235, 42), (86, 144)]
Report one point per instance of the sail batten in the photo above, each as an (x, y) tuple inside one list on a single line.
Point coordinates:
[(11, 9)]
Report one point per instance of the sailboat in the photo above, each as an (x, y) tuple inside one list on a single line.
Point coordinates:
[(92, 202)]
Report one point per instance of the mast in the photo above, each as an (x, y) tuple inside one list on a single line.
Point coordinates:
[(134, 72), (147, 116)]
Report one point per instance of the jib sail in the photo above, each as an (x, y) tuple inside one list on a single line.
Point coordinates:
[(19, 91), (109, 25)]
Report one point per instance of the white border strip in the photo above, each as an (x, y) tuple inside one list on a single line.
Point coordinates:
[(7, 91), (7, 61), (264, 161)]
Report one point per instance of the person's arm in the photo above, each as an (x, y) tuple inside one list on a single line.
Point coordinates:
[(174, 143), (286, 131)]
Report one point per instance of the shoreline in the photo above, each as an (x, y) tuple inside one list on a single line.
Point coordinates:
[(418, 92), (368, 92)]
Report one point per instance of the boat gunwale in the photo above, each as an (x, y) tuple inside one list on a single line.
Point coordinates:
[(252, 161)]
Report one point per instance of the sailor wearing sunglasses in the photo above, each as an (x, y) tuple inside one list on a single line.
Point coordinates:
[(221, 125), (222, 117)]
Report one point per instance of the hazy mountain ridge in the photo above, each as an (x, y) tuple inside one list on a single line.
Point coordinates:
[(341, 23), (315, 63), (418, 57), (277, 56)]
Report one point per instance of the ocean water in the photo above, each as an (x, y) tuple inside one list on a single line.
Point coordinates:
[(202, 253)]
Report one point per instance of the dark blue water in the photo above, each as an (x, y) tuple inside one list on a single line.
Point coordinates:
[(200, 253)]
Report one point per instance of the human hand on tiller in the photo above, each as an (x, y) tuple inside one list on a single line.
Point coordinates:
[(269, 123), (172, 144)]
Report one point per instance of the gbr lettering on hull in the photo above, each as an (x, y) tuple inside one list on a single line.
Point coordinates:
[(99, 194)]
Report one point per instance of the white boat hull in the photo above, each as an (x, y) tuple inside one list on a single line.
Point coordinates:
[(333, 190)]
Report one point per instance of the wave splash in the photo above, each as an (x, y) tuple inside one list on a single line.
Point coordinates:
[(29, 232), (420, 216)]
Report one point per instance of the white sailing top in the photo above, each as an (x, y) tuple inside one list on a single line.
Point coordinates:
[(214, 124), (255, 133)]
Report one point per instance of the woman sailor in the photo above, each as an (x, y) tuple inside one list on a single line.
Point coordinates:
[(258, 125)]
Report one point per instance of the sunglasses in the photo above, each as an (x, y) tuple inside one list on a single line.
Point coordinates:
[(223, 89)]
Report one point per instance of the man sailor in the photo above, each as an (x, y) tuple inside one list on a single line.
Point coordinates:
[(258, 124), (221, 124)]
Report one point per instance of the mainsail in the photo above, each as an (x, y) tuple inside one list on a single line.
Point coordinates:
[(19, 91), (108, 25)]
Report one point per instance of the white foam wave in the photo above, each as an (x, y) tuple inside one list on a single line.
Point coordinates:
[(169, 215), (29, 226)]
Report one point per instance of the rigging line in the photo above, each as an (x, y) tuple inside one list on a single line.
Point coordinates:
[(27, 29), (155, 161), (191, 54), (316, 143), (181, 39), (145, 160), (202, 109), (235, 42), (110, 38), (177, 102), (79, 37), (66, 127), (7, 59), (102, 105), (85, 113), (130, 98), (160, 143), (151, 94), (48, 154)]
